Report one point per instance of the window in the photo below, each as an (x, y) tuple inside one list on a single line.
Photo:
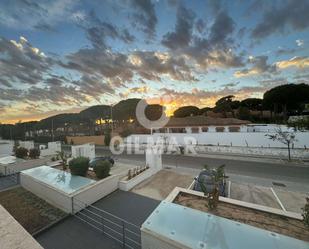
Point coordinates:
[(195, 129), (234, 129), (178, 130), (220, 129), (204, 129)]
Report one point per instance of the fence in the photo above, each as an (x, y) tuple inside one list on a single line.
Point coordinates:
[(122, 231)]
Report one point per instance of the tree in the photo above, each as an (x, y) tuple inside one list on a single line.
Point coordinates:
[(154, 112), (301, 124), (186, 111), (224, 105), (284, 137), (287, 98), (244, 113), (252, 103)]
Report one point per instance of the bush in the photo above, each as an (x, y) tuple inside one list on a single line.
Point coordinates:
[(21, 152), (305, 213), (102, 169), (79, 166), (34, 153)]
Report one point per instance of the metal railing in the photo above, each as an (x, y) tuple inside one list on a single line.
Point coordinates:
[(10, 174), (110, 225)]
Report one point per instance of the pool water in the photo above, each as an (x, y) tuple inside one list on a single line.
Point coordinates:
[(58, 179), (196, 229)]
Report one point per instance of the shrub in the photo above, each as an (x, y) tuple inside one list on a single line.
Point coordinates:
[(102, 169), (21, 152), (79, 166), (34, 153), (305, 213)]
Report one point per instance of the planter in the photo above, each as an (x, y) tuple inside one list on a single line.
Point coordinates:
[(127, 185), (271, 219)]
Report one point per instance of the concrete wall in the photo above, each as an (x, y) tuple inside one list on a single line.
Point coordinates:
[(26, 144), (52, 149), (6, 147), (96, 191), (85, 150), (246, 139), (63, 201), (20, 165), (98, 140), (13, 235), (46, 192), (127, 185)]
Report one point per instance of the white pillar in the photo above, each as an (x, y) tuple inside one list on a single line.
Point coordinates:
[(154, 158)]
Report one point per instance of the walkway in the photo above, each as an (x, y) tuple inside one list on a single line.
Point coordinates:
[(73, 233)]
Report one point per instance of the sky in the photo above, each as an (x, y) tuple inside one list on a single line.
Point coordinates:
[(65, 55)]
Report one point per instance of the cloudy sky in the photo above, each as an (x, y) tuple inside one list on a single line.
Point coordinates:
[(65, 55)]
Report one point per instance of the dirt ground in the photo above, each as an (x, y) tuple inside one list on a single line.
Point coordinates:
[(254, 194), (29, 210), (271, 222), (161, 184)]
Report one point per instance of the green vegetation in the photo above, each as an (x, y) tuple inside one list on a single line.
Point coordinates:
[(305, 213), (34, 153), (79, 166), (218, 176), (63, 157), (186, 111), (285, 137), (279, 102), (21, 152), (102, 169)]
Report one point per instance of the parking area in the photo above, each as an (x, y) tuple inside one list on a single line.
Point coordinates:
[(275, 195), (161, 184)]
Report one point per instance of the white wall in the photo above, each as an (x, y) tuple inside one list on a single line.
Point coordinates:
[(127, 185), (96, 191), (6, 147), (26, 144), (52, 149), (250, 139), (8, 169), (47, 193), (85, 150)]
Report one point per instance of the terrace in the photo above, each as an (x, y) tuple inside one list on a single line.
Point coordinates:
[(150, 213)]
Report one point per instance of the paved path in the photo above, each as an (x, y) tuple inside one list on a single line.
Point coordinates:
[(73, 233)]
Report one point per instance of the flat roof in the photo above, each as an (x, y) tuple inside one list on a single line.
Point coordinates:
[(13, 235), (195, 229)]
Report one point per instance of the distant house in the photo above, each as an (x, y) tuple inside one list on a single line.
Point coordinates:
[(199, 124), (203, 124)]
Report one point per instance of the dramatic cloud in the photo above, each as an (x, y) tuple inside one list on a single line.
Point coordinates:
[(145, 16), (181, 37), (98, 31), (30, 14), (298, 62), (21, 63), (222, 28), (259, 66), (288, 15)]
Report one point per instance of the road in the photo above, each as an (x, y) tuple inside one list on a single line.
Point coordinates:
[(294, 177)]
